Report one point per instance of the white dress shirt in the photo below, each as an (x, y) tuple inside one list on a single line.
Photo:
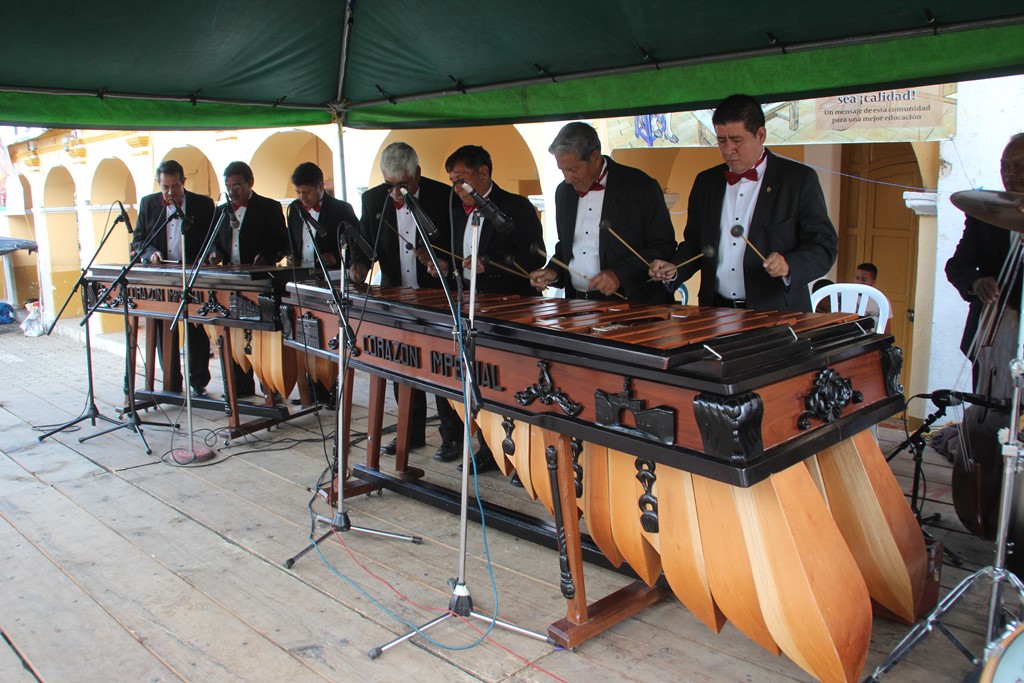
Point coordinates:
[(737, 209), (407, 257), (586, 240), (308, 253), (173, 230)]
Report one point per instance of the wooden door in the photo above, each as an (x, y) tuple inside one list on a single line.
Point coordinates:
[(877, 227)]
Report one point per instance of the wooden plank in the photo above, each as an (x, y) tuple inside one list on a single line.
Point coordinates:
[(56, 625)]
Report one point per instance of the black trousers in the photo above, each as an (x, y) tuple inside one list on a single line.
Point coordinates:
[(450, 428), (199, 356)]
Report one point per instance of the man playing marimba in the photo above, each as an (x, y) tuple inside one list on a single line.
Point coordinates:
[(773, 205), (612, 221), (252, 234), (388, 226), (155, 210)]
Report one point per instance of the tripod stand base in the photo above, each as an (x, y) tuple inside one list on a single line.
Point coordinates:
[(378, 651), (339, 524), (186, 456)]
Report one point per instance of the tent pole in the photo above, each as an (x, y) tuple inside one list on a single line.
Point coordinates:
[(341, 164)]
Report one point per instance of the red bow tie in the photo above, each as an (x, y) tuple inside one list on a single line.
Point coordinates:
[(733, 178), (239, 205), (469, 208), (165, 202), (398, 204), (312, 208), (597, 185)]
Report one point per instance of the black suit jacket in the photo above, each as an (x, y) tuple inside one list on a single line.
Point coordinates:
[(261, 232), (334, 213), (980, 253), (151, 216), (789, 218), (526, 231), (378, 208), (634, 206)]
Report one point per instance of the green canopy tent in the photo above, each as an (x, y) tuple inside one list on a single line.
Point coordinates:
[(413, 64)]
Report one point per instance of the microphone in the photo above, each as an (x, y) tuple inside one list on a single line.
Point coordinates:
[(355, 236), (414, 206), (124, 218), (308, 218), (947, 397), (502, 223), (186, 221)]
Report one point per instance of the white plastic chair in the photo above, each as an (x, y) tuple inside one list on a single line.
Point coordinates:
[(853, 298)]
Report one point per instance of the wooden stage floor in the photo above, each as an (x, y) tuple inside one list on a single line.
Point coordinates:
[(115, 565)]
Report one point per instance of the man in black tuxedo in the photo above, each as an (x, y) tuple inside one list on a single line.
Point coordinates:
[(251, 233), (978, 260), (507, 248), (775, 203), (597, 194), (501, 248), (316, 222), (388, 226), (331, 214), (164, 215)]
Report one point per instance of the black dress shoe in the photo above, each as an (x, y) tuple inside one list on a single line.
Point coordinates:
[(447, 452), (198, 391), (482, 461), (391, 448)]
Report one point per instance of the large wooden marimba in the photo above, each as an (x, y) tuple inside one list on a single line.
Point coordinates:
[(725, 450), (240, 309)]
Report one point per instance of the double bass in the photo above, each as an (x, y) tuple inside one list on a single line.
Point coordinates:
[(978, 470)]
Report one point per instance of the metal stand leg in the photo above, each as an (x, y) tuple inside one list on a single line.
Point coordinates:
[(461, 602), (1011, 452), (341, 522), (91, 413)]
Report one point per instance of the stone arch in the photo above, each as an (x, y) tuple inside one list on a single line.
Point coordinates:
[(22, 279), (59, 242), (112, 182), (200, 177), (276, 158), (514, 166)]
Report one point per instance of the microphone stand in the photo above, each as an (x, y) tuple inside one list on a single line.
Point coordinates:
[(134, 422), (186, 456), (460, 604), (346, 348), (91, 412), (997, 572)]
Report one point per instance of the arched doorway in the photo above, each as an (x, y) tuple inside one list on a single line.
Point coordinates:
[(61, 249), (112, 182), (21, 276), (514, 168), (200, 177), (275, 160)]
